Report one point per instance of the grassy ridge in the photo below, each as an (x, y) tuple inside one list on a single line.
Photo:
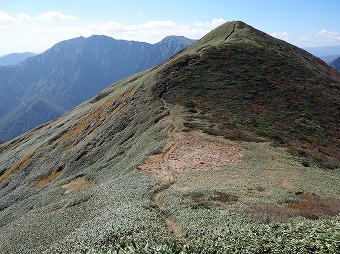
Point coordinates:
[(237, 83), (253, 90)]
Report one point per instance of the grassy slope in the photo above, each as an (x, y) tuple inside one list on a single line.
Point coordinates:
[(105, 139), (254, 87), (102, 140)]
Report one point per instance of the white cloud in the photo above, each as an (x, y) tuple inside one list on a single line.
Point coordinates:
[(6, 19), (281, 35), (108, 27), (331, 37), (140, 14), (322, 37), (22, 16), (45, 29), (71, 30), (214, 23), (327, 33), (303, 38), (217, 22), (55, 16), (150, 31)]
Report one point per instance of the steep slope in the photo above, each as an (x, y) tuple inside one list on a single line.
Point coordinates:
[(15, 58), (336, 63), (131, 164), (253, 87), (70, 73)]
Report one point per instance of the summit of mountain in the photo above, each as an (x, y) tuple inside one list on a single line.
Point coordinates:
[(69, 73), (246, 84), (177, 40), (196, 151)]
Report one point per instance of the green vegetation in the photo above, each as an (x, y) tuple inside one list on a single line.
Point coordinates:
[(241, 236), (257, 89), (77, 185), (214, 209)]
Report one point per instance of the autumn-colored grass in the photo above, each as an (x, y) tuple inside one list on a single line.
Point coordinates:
[(309, 206), (44, 181), (97, 115), (22, 163), (77, 184)]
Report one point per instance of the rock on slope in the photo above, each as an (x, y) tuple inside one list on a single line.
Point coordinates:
[(73, 183)]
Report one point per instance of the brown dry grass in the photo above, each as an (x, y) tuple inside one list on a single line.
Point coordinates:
[(97, 115), (77, 184), (207, 199), (22, 163), (44, 181), (309, 206)]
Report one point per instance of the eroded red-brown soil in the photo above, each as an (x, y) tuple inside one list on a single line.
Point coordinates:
[(188, 152)]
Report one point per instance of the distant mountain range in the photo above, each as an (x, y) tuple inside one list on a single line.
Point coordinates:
[(15, 58), (336, 63), (45, 86), (324, 50), (216, 150), (329, 59), (325, 53)]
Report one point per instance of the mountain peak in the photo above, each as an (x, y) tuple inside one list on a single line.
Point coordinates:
[(71, 71), (246, 74), (84, 181), (177, 40), (235, 32), (224, 32)]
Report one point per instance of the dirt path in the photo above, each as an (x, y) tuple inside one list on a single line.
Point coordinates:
[(174, 228), (169, 178), (185, 152), (159, 206), (227, 37)]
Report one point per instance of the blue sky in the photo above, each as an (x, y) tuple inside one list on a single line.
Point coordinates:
[(36, 25)]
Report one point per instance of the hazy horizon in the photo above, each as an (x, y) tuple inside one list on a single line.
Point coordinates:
[(35, 26)]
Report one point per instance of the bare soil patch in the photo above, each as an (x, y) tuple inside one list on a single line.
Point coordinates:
[(77, 184), (188, 153), (183, 153)]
